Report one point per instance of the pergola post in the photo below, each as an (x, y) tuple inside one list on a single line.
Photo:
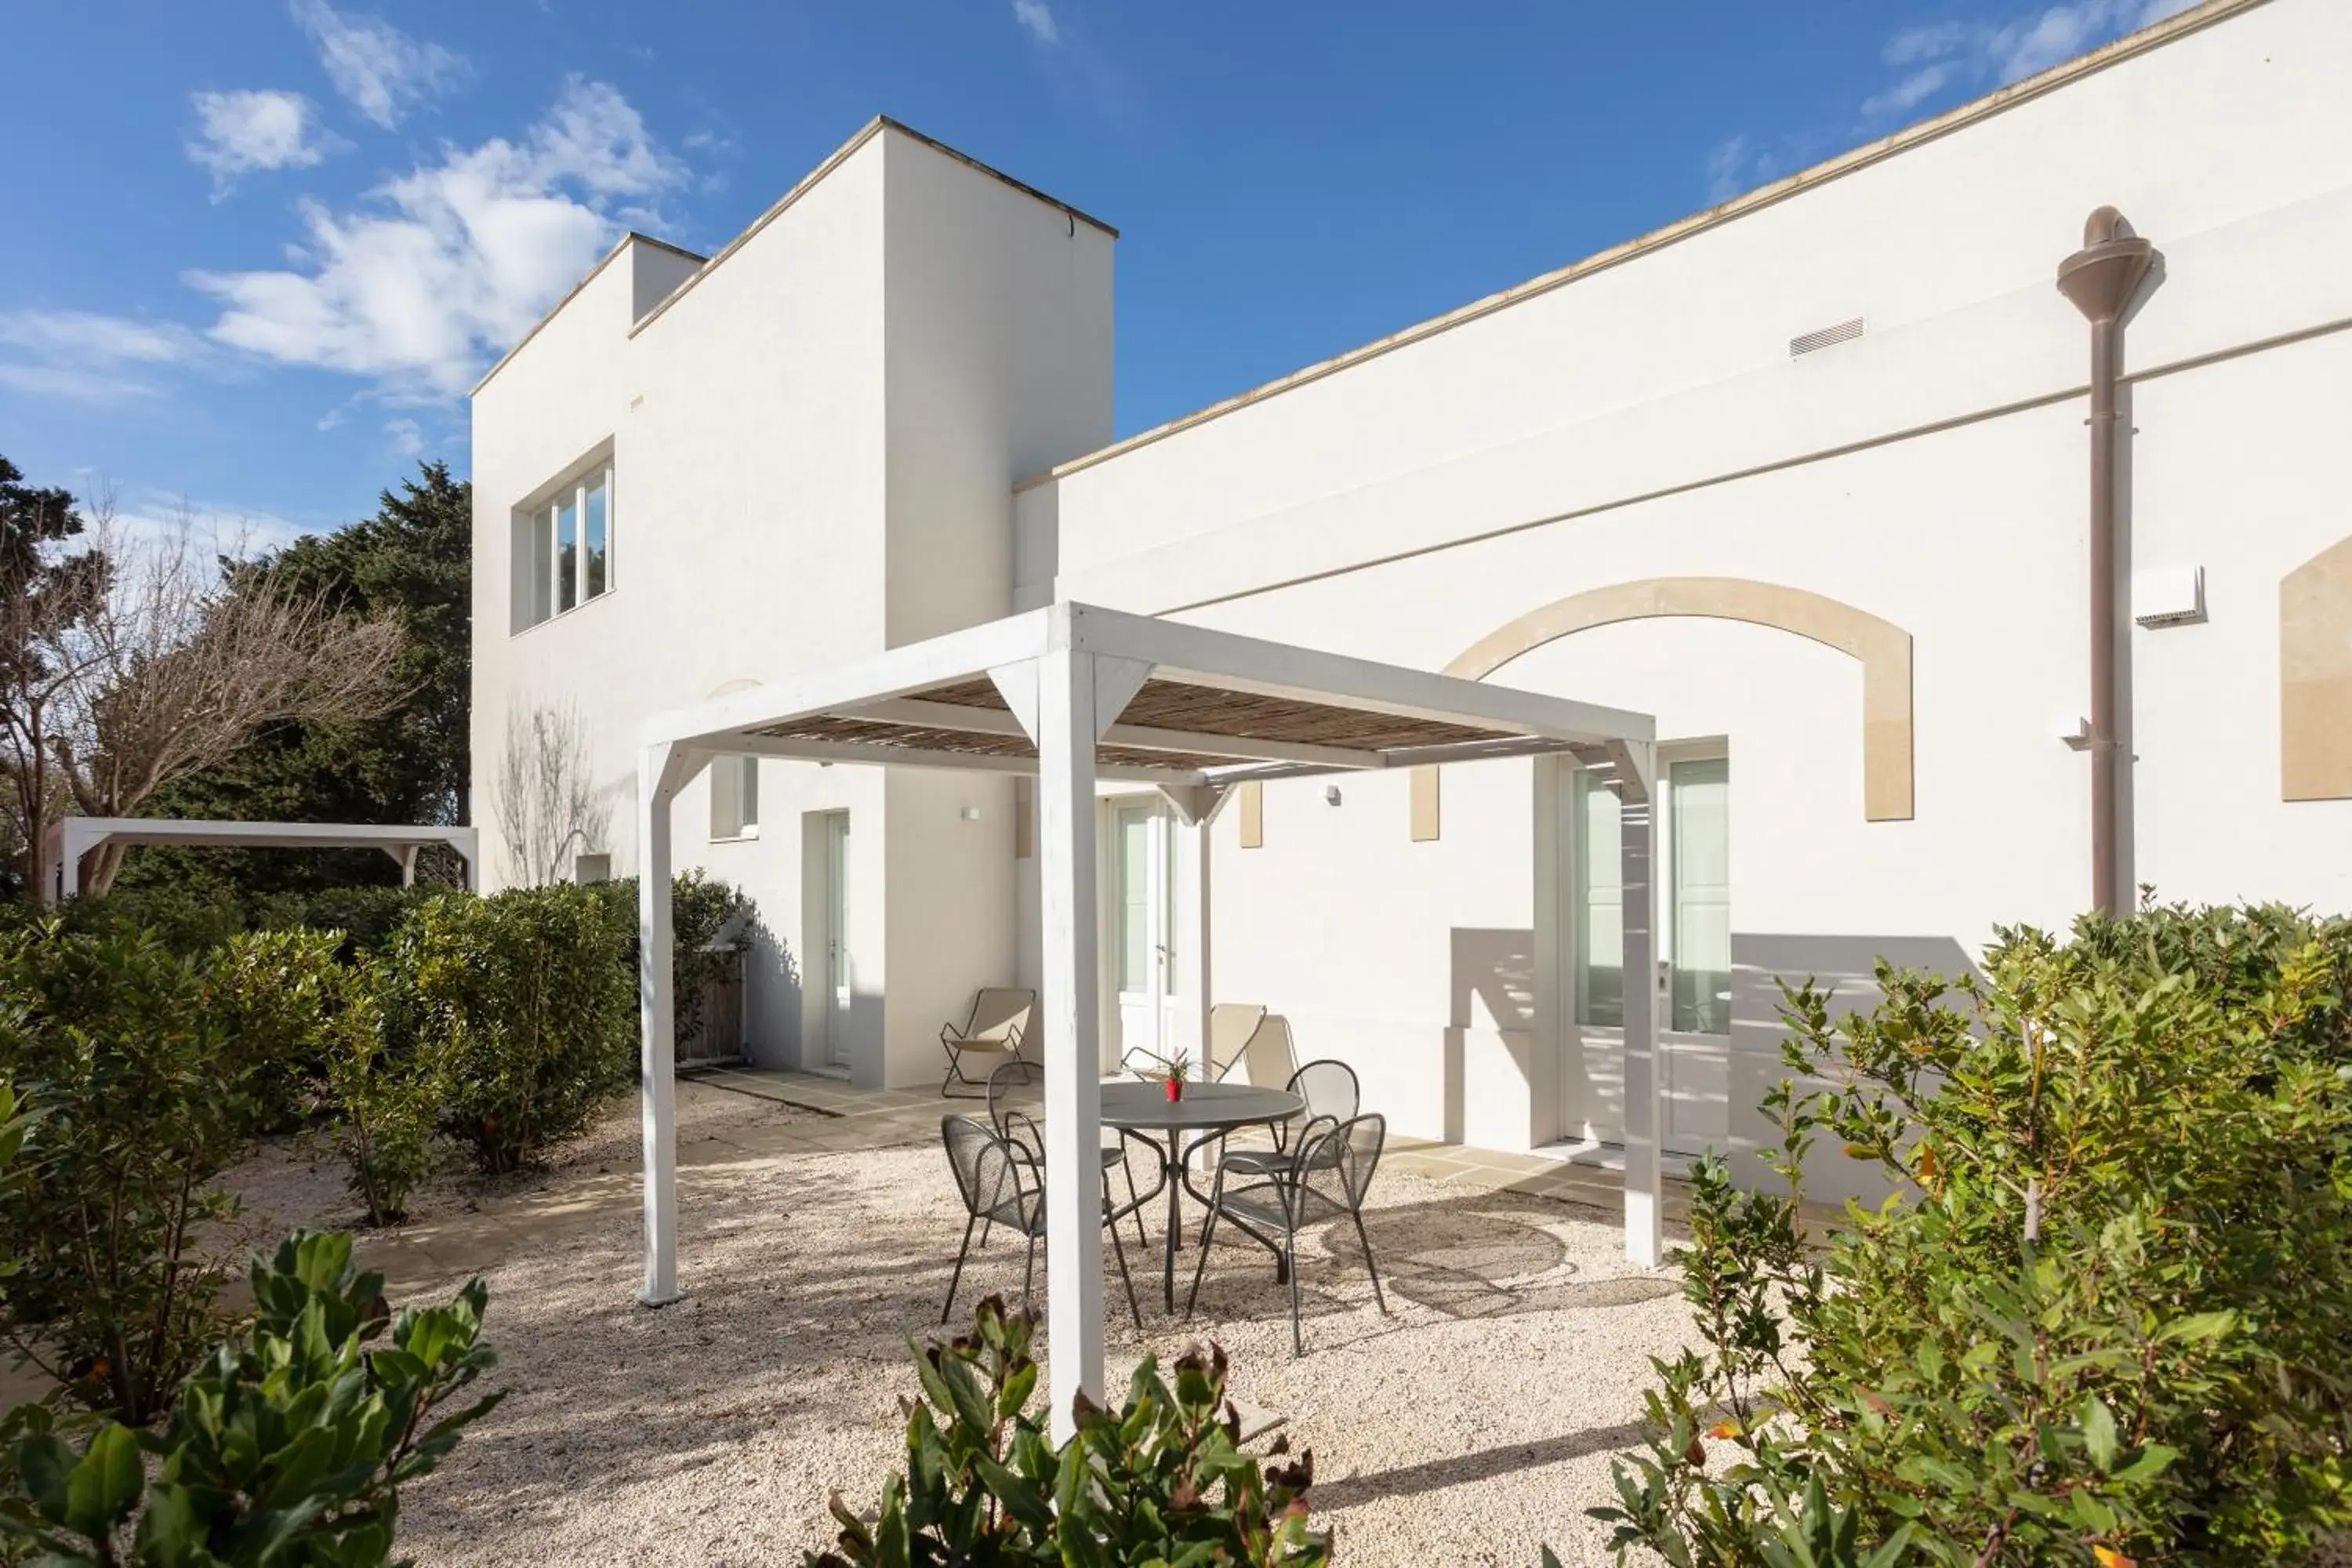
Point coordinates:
[(1637, 784), (662, 772), (1066, 730)]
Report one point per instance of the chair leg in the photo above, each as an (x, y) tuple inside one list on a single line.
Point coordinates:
[(957, 1277), (1208, 1234), (1028, 1270), (1134, 1208), (1370, 1267), (1290, 1250), (1119, 1251)]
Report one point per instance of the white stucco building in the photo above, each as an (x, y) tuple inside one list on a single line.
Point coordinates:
[(1805, 476)]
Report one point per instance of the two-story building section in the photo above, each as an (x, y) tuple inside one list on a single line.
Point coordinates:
[(1806, 476)]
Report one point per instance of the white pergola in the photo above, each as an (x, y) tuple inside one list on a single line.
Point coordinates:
[(1074, 694), (72, 837)]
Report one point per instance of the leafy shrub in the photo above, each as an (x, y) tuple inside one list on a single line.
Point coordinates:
[(705, 912), (522, 1002), (1162, 1482), (148, 1093), (290, 1449), (275, 992), (2106, 1319), (387, 1103), (365, 917)]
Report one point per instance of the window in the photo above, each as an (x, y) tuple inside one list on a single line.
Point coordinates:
[(735, 797), (564, 550)]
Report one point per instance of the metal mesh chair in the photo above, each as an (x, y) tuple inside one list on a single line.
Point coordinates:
[(1001, 1183), (1330, 1092), (1021, 1130), (1329, 1178)]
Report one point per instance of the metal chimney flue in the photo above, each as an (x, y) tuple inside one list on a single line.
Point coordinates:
[(2101, 281)]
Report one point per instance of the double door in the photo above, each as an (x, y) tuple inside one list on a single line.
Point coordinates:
[(1693, 979)]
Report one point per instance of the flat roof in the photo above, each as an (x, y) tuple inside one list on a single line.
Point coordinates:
[(807, 182), (2151, 37)]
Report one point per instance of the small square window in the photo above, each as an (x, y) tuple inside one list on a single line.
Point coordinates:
[(735, 799)]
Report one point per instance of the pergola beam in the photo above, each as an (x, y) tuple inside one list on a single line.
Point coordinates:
[(885, 756), (71, 838), (1136, 737)]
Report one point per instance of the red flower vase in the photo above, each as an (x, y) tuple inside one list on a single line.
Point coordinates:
[(1175, 1089)]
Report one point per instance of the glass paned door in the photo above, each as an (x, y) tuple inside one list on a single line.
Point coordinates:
[(1693, 979), (1143, 935), (1701, 915), (839, 979)]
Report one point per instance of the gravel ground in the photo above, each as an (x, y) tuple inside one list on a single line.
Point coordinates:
[(301, 1180), (1474, 1422)]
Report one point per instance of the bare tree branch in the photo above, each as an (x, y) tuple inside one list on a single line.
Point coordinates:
[(545, 794), (179, 656)]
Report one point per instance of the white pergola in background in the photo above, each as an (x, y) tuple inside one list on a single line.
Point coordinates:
[(1072, 694), (72, 837)]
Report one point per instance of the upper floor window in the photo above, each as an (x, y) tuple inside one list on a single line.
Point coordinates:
[(735, 799), (563, 554)]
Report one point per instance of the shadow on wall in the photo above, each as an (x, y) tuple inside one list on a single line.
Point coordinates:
[(1846, 967), (1493, 988), (771, 970)]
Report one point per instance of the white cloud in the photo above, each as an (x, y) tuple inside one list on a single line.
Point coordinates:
[(1913, 44), (440, 266), (381, 70), (1907, 94), (74, 385), (1724, 167), (87, 357), (1931, 59), (86, 335), (405, 436), (1038, 17), (238, 132)]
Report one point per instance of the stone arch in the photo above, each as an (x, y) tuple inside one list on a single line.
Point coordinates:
[(2315, 676), (1881, 648)]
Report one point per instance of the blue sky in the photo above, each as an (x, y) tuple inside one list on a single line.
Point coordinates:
[(261, 247)]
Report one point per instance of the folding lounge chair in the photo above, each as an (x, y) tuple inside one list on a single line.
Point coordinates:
[(997, 1026)]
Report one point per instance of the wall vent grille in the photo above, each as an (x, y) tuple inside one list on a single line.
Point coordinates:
[(1827, 337)]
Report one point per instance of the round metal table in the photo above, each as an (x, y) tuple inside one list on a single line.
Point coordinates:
[(1207, 1110)]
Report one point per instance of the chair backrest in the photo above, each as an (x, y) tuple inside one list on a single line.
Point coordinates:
[(1338, 1164), (1231, 1024), (1000, 1084), (985, 1171), (1000, 1014), (1328, 1087), (1268, 1059)]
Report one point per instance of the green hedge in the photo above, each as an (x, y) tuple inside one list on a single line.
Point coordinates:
[(523, 1006), (2108, 1317), (155, 1072)]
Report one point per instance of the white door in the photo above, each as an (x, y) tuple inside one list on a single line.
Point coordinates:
[(1694, 977), (839, 980), (1143, 927)]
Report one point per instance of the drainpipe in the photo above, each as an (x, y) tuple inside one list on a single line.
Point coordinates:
[(2100, 279)]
